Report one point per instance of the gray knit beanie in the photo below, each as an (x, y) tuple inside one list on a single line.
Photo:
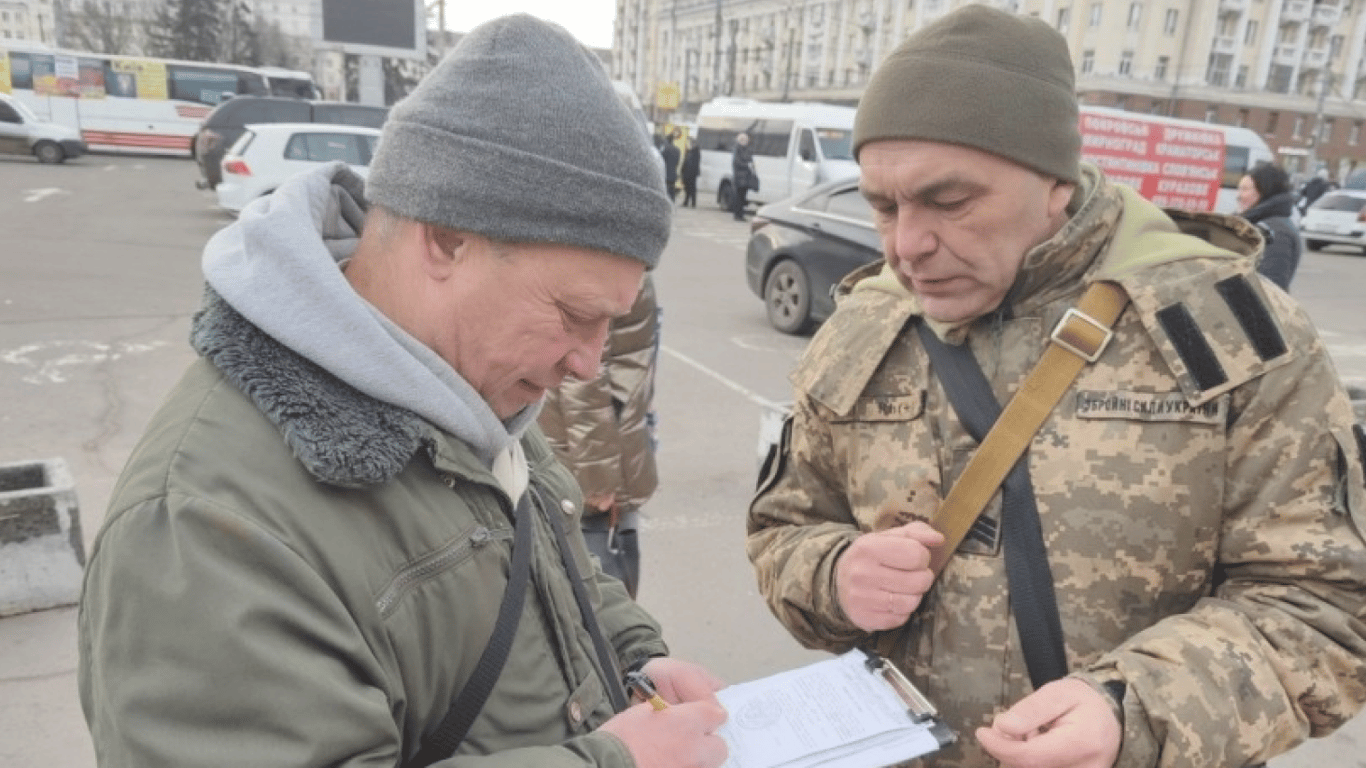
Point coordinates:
[(982, 78), (518, 135)]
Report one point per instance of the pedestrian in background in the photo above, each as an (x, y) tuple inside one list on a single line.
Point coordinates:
[(1174, 574), (602, 429), (670, 154), (742, 175), (692, 166), (1265, 199), (1314, 189), (343, 524)]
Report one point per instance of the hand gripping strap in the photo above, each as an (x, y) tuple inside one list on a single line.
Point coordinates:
[(1080, 337)]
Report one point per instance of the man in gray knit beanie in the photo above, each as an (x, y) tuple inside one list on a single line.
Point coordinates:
[(518, 135), (370, 548), (1107, 604)]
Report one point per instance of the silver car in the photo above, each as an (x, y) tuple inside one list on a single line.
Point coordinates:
[(1336, 218)]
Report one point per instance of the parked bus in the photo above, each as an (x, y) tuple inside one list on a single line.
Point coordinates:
[(795, 146), (122, 103), (1175, 163)]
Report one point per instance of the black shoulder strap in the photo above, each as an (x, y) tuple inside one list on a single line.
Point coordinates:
[(1031, 581), (607, 658), (441, 743)]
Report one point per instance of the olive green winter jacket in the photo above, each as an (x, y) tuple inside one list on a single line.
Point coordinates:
[(307, 577)]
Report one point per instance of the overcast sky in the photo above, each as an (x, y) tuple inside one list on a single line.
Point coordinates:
[(588, 20)]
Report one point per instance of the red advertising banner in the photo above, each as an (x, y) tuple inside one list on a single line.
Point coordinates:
[(1175, 166)]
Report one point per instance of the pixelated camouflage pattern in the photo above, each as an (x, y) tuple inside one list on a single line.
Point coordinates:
[(1206, 546)]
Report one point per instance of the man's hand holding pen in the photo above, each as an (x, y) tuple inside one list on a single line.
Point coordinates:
[(674, 727)]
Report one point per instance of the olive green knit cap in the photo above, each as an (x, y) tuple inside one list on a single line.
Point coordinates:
[(981, 78)]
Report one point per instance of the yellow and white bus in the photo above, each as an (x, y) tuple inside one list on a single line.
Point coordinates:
[(123, 103)]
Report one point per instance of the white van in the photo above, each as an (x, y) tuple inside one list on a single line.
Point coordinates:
[(1173, 162), (22, 133), (795, 146)]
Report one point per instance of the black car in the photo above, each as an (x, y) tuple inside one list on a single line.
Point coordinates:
[(225, 123), (800, 248)]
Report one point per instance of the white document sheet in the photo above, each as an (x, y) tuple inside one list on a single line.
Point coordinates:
[(832, 714)]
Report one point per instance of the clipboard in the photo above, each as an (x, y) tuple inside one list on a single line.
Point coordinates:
[(856, 710)]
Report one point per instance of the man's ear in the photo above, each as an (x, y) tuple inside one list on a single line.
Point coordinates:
[(443, 248)]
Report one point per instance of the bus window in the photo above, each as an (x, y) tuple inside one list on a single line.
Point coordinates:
[(771, 138), (21, 71), (207, 86), (1235, 165), (293, 87), (807, 150)]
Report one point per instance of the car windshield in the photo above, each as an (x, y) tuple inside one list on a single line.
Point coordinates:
[(836, 143), (1349, 203)]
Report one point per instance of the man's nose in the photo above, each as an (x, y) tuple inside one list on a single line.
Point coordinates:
[(913, 238), (584, 360)]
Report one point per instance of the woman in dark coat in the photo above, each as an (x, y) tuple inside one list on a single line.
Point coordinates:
[(1265, 199)]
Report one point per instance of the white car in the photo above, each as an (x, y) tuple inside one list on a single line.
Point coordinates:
[(1336, 218), (23, 133), (268, 153)]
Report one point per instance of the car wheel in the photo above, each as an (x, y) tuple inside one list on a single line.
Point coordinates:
[(1315, 245), (723, 196), (787, 297), (48, 152)]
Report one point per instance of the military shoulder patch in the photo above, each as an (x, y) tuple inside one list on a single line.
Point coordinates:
[(1216, 331)]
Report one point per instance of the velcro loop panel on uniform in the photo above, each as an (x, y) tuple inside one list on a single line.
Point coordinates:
[(1253, 316), (1190, 344)]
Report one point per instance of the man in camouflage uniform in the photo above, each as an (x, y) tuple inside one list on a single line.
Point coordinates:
[(1199, 487)]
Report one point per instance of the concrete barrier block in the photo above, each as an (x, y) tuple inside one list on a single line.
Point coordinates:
[(41, 552)]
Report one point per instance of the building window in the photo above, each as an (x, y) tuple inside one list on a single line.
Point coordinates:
[(1298, 131), (1219, 64), (1355, 137), (1064, 18), (1273, 120), (1126, 63), (1160, 71), (1250, 34), (1334, 46), (1095, 15), (1326, 131), (1169, 23), (1088, 62), (1278, 80), (1211, 113), (1242, 118), (1135, 13), (1241, 80)]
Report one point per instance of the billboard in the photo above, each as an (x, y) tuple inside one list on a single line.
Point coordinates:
[(389, 28), (1174, 163)]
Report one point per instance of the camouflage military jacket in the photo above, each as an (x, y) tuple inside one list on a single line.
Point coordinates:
[(1199, 488)]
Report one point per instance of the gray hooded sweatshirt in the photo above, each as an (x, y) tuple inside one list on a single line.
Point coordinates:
[(278, 266)]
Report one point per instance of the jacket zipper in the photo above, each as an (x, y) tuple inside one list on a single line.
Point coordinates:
[(434, 564)]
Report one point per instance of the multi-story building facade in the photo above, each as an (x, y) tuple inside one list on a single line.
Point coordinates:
[(1293, 70), (32, 21)]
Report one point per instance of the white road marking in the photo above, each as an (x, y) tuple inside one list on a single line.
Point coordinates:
[(35, 195), (748, 393), (49, 361)]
